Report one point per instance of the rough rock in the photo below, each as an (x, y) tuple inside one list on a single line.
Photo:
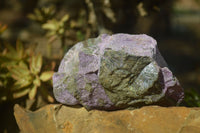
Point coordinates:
[(116, 72), (148, 119)]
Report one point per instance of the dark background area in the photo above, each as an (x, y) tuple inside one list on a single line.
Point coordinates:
[(175, 24)]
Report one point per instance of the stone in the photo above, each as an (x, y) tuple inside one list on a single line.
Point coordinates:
[(116, 72), (149, 119)]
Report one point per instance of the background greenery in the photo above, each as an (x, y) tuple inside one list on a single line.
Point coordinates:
[(35, 34)]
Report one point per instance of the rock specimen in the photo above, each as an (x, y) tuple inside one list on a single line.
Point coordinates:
[(149, 119), (116, 72)]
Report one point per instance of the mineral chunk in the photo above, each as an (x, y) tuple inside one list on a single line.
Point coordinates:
[(116, 72)]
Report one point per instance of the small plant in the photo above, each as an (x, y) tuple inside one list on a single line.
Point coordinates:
[(21, 74), (29, 79), (55, 28), (42, 15), (11, 56)]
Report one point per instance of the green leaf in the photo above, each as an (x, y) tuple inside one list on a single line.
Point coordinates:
[(32, 92), (32, 16), (36, 81), (18, 72), (80, 36), (23, 65), (36, 64), (21, 83), (50, 25), (20, 49), (45, 76), (61, 31), (14, 54), (4, 75), (6, 62), (21, 93), (52, 33), (50, 98), (65, 18), (142, 11)]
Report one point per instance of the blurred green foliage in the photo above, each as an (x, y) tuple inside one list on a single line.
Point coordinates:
[(42, 15), (21, 74), (55, 27), (192, 98)]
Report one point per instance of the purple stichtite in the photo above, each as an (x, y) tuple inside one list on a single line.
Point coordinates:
[(116, 72)]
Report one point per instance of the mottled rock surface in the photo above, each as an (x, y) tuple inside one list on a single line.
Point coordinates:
[(116, 72), (149, 119)]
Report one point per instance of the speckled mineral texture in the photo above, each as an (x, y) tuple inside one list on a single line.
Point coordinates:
[(116, 72)]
